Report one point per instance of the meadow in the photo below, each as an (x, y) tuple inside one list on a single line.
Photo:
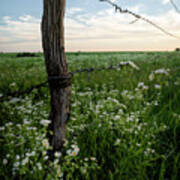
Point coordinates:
[(124, 123)]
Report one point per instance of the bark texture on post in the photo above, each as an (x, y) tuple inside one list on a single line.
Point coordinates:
[(56, 66)]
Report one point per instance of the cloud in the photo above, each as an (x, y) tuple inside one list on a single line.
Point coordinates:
[(107, 30), (23, 32), (104, 30), (165, 1), (113, 1), (72, 11)]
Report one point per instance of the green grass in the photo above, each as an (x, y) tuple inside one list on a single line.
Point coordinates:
[(124, 124)]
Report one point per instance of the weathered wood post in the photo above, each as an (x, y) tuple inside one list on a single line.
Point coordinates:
[(57, 70)]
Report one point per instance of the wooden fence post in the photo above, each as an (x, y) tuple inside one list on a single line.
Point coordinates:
[(57, 70)]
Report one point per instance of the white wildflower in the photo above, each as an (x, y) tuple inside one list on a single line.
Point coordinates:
[(25, 161), (13, 84), (139, 128), (133, 65), (73, 146), (115, 101), (123, 106), (140, 84), (26, 121), (157, 86), (45, 122), (156, 103), (59, 173), (176, 83), (73, 119), (151, 76), (145, 87), (45, 143), (9, 124), (123, 63), (69, 152), (16, 164), (116, 117), (17, 157), (118, 141), (120, 112), (57, 154), (55, 162), (32, 128), (14, 100), (39, 166), (92, 158), (83, 170), (124, 93), (138, 144), (74, 151), (44, 152), (65, 143), (162, 71), (2, 128), (8, 155), (46, 157), (5, 161), (32, 153)]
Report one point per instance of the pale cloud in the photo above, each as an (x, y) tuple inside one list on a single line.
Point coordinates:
[(72, 11), (23, 32), (165, 1), (28, 18), (108, 30), (104, 30)]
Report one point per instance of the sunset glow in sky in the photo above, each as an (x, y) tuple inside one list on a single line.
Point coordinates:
[(91, 25)]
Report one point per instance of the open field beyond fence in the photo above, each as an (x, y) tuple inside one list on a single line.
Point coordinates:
[(124, 123)]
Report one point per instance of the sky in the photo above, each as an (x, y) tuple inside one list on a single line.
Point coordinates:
[(91, 25)]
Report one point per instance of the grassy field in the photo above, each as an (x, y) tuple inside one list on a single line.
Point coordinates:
[(125, 123)]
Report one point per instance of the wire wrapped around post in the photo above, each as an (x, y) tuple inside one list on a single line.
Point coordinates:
[(61, 81)]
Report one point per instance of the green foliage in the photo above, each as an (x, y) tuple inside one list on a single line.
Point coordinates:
[(124, 124)]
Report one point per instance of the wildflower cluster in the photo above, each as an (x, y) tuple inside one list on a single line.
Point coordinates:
[(123, 124)]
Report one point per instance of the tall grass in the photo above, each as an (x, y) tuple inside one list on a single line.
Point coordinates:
[(125, 124)]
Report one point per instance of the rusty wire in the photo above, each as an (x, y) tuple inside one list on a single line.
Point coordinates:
[(175, 6), (62, 80), (139, 17)]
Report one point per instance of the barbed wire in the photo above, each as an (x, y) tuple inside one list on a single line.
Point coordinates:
[(17, 94), (138, 17), (122, 64), (175, 6), (22, 93)]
